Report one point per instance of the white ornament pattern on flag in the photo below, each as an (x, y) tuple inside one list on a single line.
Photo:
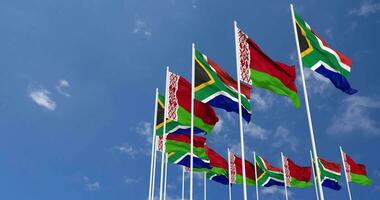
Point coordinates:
[(245, 58), (233, 168), (347, 167), (160, 143), (172, 100), (287, 171)]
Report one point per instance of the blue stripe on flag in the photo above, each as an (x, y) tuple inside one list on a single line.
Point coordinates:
[(229, 105), (337, 79), (221, 179), (273, 182), (197, 163), (331, 184)]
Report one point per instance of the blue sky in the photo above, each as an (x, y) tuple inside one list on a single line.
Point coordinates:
[(77, 88)]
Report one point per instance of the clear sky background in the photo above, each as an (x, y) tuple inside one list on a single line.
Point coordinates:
[(77, 82)]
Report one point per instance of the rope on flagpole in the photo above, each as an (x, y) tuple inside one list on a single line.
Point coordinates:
[(166, 175), (314, 148)]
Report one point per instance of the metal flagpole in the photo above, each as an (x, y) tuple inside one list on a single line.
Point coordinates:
[(164, 134), (257, 182), (192, 119), (183, 183), (240, 110), (307, 103), (229, 175), (154, 167), (166, 175), (345, 171), (283, 171), (151, 185), (204, 186), (315, 181)]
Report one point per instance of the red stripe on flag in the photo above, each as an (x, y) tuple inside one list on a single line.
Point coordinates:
[(298, 172), (355, 167), (198, 140), (216, 160), (263, 63)]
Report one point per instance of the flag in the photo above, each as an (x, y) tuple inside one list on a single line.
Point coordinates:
[(178, 148), (330, 174), (267, 175), (356, 173), (237, 170), (317, 55), (217, 88), (171, 126), (296, 176), (179, 105), (261, 71), (219, 170)]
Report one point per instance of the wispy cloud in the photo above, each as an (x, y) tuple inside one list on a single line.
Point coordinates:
[(284, 137), (274, 191), (194, 4), (62, 85), (262, 100), (130, 180), (145, 129), (316, 83), (356, 115), (41, 97), (218, 127), (256, 131), (91, 185), (127, 149), (329, 33), (142, 27), (366, 8)]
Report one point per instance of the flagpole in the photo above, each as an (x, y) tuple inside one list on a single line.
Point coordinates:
[(204, 187), (345, 172), (154, 167), (240, 110), (229, 175), (307, 104), (164, 135), (285, 180), (166, 175), (257, 182), (153, 147), (192, 119), (315, 181), (183, 183)]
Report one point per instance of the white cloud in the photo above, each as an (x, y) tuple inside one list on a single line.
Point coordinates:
[(141, 27), (315, 83), (329, 32), (91, 185), (262, 100), (256, 131), (218, 127), (366, 8), (127, 149), (284, 137), (194, 4), (274, 191), (356, 115), (41, 97), (62, 84), (129, 180), (145, 129)]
